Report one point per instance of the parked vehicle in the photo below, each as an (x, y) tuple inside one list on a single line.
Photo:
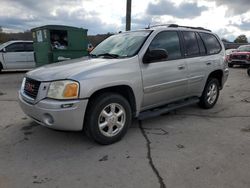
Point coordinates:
[(17, 54), (139, 74), (228, 53), (240, 57)]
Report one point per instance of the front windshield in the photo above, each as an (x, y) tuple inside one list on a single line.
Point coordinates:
[(244, 49), (121, 45)]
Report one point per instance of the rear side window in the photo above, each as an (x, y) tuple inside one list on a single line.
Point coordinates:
[(15, 47), (168, 40), (29, 47), (191, 44), (212, 44)]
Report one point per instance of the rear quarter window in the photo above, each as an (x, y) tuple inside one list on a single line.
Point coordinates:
[(211, 42)]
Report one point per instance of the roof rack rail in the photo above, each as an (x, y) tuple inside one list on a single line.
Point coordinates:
[(189, 27), (176, 25), (167, 25)]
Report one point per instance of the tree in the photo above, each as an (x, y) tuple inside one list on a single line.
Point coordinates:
[(241, 39), (1, 29)]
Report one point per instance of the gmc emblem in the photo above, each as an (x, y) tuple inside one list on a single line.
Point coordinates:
[(29, 87)]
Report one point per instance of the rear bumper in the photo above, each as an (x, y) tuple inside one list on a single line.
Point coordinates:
[(60, 115)]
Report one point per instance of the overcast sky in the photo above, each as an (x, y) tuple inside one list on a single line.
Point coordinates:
[(227, 18)]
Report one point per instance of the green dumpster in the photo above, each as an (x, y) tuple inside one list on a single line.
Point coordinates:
[(54, 43)]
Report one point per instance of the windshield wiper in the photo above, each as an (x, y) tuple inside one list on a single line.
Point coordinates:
[(108, 55), (92, 55)]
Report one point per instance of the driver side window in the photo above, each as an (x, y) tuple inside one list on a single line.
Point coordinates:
[(15, 47), (168, 40)]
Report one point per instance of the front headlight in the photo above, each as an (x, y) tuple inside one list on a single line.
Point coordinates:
[(64, 89)]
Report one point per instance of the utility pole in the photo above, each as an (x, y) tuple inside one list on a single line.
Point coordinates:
[(128, 15)]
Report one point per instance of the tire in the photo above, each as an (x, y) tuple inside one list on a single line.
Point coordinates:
[(108, 118), (210, 94), (248, 71), (230, 65)]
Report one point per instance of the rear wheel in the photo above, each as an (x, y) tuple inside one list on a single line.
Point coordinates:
[(108, 118), (248, 71), (210, 94)]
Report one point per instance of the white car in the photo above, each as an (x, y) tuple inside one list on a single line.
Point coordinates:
[(17, 55)]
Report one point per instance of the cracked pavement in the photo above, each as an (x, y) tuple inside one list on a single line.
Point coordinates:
[(186, 148)]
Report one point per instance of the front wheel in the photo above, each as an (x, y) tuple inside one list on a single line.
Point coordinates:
[(108, 118), (210, 94)]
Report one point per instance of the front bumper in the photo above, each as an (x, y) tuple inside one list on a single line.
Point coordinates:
[(239, 62), (60, 115)]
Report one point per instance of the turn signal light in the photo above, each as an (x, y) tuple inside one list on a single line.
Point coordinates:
[(71, 90)]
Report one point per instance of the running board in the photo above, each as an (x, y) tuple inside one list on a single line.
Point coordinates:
[(165, 109)]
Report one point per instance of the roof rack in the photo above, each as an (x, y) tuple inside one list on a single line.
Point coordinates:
[(175, 25)]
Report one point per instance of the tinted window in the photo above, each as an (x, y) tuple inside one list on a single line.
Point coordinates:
[(29, 47), (192, 48), (168, 40), (16, 47), (212, 44), (201, 45)]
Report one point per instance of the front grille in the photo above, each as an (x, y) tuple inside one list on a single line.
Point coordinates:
[(240, 57), (31, 87)]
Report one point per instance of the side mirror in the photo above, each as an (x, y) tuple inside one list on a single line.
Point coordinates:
[(155, 55)]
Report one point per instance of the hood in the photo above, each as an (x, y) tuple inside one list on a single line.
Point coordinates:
[(68, 69)]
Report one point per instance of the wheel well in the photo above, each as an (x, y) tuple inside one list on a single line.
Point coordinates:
[(123, 90), (1, 66), (217, 74)]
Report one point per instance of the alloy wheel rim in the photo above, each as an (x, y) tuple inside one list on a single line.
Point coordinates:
[(212, 93), (112, 119)]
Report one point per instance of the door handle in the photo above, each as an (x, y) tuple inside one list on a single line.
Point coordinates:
[(208, 63), (181, 67)]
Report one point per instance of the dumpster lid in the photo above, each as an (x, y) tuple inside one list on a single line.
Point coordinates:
[(56, 27)]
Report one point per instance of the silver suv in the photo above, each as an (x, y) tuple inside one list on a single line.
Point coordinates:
[(138, 74)]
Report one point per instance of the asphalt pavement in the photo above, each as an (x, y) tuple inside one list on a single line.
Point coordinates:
[(187, 148)]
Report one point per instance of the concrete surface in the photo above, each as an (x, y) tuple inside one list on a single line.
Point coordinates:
[(188, 148)]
